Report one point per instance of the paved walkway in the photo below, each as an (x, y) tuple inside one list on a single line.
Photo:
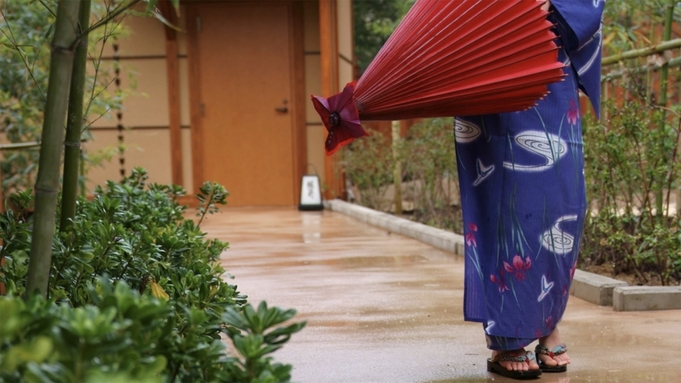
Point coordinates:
[(385, 308)]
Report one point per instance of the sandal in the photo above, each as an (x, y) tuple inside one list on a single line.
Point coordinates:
[(493, 364), (543, 350)]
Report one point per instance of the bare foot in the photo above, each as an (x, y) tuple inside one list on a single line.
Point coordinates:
[(550, 342), (515, 366)]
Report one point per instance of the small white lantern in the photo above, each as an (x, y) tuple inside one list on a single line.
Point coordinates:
[(310, 193)]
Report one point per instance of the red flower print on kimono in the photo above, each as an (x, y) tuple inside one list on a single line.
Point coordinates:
[(519, 267), (572, 271), (549, 322), (470, 236), (499, 281), (573, 113)]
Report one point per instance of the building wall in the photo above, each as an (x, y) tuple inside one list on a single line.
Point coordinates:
[(345, 44), (145, 115)]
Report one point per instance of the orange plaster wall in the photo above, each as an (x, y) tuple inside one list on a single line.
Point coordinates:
[(345, 44), (138, 152), (145, 112), (145, 109)]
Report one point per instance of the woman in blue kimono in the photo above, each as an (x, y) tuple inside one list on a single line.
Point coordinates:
[(523, 197)]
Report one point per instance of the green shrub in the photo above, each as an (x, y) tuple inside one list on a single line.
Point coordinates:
[(429, 175), (43, 341), (428, 155), (632, 168), (368, 164), (254, 338), (136, 292), (124, 336)]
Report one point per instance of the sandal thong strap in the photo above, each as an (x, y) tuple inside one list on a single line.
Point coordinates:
[(525, 356), (543, 350)]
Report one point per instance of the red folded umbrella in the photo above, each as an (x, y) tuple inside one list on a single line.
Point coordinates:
[(449, 58)]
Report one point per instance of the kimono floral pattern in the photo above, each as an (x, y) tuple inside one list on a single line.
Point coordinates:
[(573, 113), (470, 235), (519, 267), (499, 281), (523, 196)]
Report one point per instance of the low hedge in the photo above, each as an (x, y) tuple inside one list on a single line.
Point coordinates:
[(136, 294)]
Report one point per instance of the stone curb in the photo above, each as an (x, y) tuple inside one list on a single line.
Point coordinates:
[(594, 288), (642, 298), (438, 238)]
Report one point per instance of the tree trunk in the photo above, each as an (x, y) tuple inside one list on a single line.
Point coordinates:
[(74, 123), (47, 182)]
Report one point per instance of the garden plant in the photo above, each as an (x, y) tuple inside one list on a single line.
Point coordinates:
[(122, 287), (632, 151), (428, 172), (136, 294)]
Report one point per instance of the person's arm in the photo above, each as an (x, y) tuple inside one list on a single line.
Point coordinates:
[(579, 25), (582, 17)]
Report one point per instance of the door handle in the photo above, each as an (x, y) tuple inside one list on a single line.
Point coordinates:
[(284, 108)]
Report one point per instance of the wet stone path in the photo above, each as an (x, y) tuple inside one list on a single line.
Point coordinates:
[(384, 308)]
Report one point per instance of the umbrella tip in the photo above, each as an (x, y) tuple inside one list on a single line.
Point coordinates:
[(334, 119)]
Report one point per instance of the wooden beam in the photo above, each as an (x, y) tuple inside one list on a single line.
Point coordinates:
[(195, 95), (300, 100), (328, 47), (173, 78)]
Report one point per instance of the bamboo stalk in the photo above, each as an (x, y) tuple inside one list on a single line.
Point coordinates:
[(47, 182), (635, 53), (20, 145), (75, 121), (664, 71), (673, 63)]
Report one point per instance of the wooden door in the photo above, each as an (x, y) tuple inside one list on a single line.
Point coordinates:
[(242, 118)]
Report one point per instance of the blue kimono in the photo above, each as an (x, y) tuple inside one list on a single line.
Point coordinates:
[(523, 194)]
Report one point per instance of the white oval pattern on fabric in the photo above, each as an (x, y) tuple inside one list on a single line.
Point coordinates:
[(556, 239), (465, 131), (547, 145)]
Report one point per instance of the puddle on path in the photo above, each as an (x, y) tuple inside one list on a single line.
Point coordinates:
[(352, 262)]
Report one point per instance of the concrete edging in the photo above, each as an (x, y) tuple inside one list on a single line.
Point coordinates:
[(438, 238), (643, 298), (594, 288)]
